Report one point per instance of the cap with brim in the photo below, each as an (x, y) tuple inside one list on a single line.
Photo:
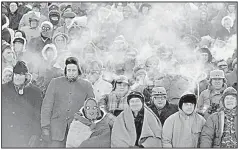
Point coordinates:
[(159, 91), (222, 63), (122, 79)]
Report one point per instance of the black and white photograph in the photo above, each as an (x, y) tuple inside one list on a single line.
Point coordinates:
[(119, 74)]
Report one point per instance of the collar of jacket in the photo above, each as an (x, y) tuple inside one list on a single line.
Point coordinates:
[(44, 39), (183, 115)]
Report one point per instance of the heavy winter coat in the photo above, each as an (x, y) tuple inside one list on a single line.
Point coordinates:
[(213, 130), (20, 116), (204, 28), (62, 100), (124, 130), (223, 34), (174, 129), (14, 20), (37, 44), (165, 112), (97, 136)]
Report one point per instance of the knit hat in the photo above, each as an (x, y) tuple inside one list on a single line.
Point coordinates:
[(20, 68), (188, 98), (227, 17), (234, 63), (135, 94), (228, 91), (5, 45)]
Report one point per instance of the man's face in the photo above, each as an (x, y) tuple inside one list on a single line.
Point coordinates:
[(93, 76), (188, 108), (217, 83), (34, 24), (122, 87), (46, 30), (230, 101), (159, 101), (13, 7), (231, 8), (8, 54), (19, 79), (227, 23), (72, 72), (68, 21), (203, 16), (91, 110), (126, 12), (204, 57), (18, 47), (135, 104)]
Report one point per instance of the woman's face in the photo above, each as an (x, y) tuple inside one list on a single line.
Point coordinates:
[(7, 76), (91, 110), (8, 55), (230, 101), (60, 42), (135, 104), (50, 54)]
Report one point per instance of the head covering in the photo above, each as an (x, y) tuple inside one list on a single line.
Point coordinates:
[(122, 79), (158, 91), (19, 39), (144, 5), (188, 98), (227, 17), (228, 91), (48, 23), (69, 15), (72, 60), (34, 17), (65, 36), (222, 63), (20, 68), (135, 94), (52, 46), (54, 13), (54, 7), (217, 74)]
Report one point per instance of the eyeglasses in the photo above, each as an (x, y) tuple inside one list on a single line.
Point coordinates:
[(45, 28)]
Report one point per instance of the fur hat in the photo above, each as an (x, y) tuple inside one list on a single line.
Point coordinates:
[(72, 60), (227, 17), (48, 23), (135, 94), (20, 68), (43, 52), (187, 98), (228, 91)]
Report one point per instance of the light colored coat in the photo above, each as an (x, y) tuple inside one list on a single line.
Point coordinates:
[(173, 130)]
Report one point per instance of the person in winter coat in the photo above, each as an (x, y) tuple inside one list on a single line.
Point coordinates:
[(212, 95), (19, 47), (115, 102), (55, 18), (65, 95), (14, 16), (61, 41), (100, 86), (8, 56), (38, 43), (33, 30), (226, 30), (137, 126), (21, 103), (22, 8), (7, 33), (89, 128), (183, 128), (68, 19), (204, 27), (140, 80), (35, 11), (160, 106), (232, 76), (220, 130)]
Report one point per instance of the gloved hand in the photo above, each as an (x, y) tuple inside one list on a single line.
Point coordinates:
[(45, 135)]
